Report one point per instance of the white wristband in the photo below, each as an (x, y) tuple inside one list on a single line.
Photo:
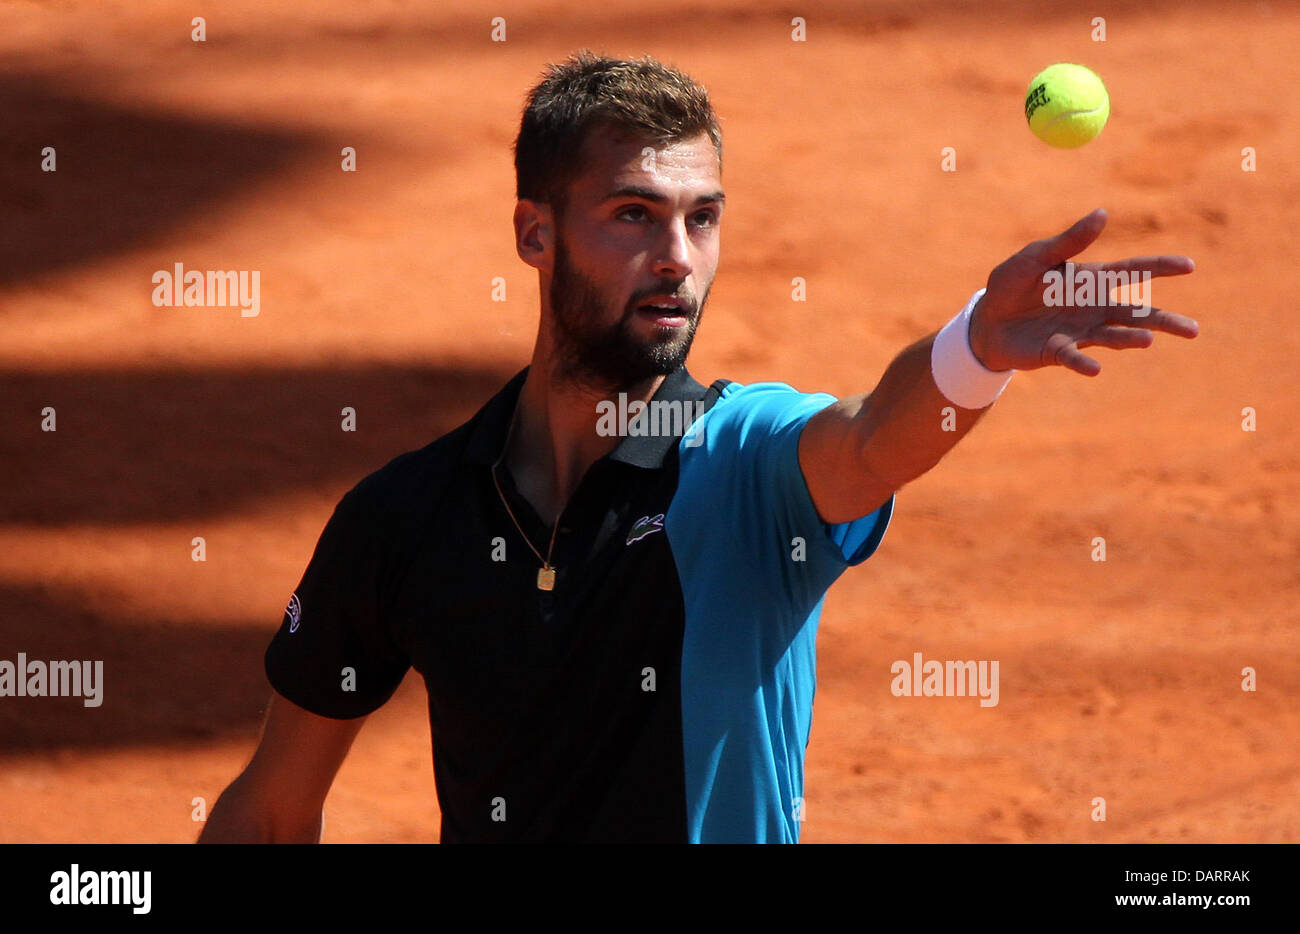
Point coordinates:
[(957, 372)]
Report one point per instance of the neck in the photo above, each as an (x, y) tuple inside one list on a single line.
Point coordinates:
[(553, 440)]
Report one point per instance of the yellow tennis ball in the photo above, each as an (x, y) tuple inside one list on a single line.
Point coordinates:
[(1066, 105)]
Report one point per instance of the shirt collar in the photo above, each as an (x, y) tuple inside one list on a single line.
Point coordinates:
[(488, 436)]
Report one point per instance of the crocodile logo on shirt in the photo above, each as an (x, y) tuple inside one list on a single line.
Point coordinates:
[(646, 525)]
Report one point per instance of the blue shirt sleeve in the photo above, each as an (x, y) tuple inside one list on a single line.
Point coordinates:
[(752, 440)]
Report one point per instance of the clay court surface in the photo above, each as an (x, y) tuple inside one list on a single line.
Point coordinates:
[(1119, 680)]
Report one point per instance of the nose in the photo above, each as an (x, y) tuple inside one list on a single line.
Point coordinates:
[(674, 258)]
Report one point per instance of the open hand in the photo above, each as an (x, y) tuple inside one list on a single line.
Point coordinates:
[(1012, 327)]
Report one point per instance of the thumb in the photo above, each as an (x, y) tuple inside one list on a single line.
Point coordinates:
[(1055, 250)]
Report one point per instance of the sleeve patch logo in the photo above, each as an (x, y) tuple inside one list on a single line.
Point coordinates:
[(294, 612)]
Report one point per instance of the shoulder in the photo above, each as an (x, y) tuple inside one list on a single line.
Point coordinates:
[(766, 405), (769, 391), (406, 489)]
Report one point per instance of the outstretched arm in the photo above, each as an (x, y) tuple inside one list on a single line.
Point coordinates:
[(857, 452)]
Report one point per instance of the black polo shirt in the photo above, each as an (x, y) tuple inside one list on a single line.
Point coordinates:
[(661, 692)]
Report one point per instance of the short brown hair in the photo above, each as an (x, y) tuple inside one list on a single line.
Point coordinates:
[(641, 97)]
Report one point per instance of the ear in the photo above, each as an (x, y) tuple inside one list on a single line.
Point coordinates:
[(535, 234)]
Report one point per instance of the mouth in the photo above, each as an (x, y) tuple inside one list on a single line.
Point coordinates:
[(664, 311)]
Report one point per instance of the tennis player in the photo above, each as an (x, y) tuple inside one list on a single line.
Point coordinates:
[(610, 577)]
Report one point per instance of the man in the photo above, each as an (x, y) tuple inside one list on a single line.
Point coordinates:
[(615, 615)]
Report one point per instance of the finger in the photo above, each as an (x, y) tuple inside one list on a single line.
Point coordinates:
[(1157, 319), (1118, 338), (1164, 265), (1068, 356), (1055, 250)]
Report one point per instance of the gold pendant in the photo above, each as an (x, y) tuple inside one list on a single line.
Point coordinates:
[(546, 578)]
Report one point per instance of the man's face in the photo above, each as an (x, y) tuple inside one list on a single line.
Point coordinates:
[(640, 228)]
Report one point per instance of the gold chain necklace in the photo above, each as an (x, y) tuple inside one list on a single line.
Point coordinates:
[(546, 573)]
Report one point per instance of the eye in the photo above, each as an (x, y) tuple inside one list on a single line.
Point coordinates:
[(630, 207), (710, 218)]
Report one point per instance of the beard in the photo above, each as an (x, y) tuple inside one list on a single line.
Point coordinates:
[(613, 357)]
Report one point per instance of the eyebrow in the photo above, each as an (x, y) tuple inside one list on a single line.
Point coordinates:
[(649, 194)]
